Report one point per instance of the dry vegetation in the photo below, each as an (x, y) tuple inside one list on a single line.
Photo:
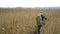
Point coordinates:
[(24, 21)]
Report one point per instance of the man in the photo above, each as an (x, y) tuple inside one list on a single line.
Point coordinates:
[(40, 18)]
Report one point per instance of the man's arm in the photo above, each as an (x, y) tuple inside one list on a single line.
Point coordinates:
[(43, 17)]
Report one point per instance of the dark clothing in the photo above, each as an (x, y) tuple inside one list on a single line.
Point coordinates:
[(43, 17), (39, 27)]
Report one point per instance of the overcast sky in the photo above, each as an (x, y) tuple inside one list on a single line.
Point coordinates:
[(29, 3)]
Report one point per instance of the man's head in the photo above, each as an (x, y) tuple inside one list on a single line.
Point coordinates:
[(41, 12)]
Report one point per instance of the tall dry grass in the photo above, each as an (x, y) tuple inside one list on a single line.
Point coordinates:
[(24, 21)]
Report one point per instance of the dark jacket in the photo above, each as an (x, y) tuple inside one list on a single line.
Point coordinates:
[(43, 17)]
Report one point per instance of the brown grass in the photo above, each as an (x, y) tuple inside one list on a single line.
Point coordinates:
[(24, 21)]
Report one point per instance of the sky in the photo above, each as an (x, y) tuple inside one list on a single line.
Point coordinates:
[(29, 3)]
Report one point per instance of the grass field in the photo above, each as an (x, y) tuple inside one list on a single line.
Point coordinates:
[(23, 21)]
